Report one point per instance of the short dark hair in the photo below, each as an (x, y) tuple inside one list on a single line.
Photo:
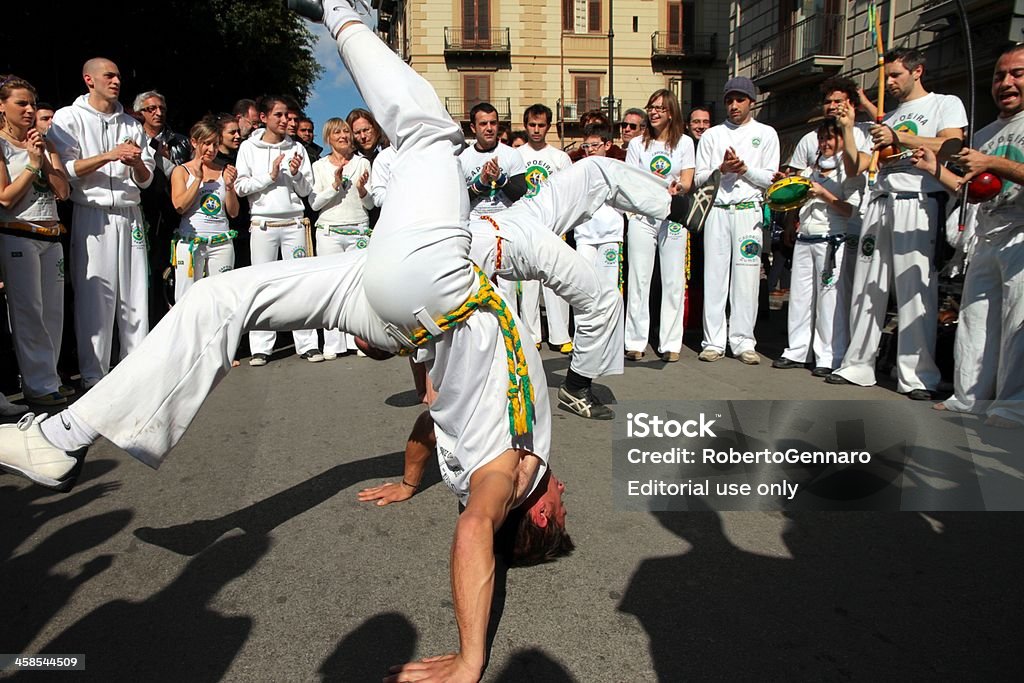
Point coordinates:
[(597, 114), (267, 102), (843, 85), (485, 107), (518, 135), (910, 57), (305, 119), (595, 129), (45, 105), (242, 106), (522, 543), (696, 109), (537, 110), (291, 103)]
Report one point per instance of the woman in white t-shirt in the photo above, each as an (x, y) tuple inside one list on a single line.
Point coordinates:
[(341, 196), (32, 179), (818, 300), (665, 150), (203, 192)]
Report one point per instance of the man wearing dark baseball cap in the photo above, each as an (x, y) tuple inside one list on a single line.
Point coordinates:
[(747, 154)]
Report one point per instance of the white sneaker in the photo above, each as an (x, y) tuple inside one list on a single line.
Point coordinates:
[(750, 358), (330, 355), (25, 451), (710, 355), (313, 356)]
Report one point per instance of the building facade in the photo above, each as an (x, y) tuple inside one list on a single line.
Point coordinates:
[(573, 55), (788, 47)]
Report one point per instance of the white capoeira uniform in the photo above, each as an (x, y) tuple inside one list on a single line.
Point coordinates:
[(33, 277), (471, 161), (343, 223), (897, 246), (733, 236), (532, 248), (989, 346), (599, 241), (817, 294), (540, 164), (803, 157), (202, 244), (380, 174), (109, 267), (190, 351), (669, 238), (277, 225), (418, 268)]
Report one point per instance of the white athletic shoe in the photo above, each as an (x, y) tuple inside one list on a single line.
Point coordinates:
[(25, 451), (313, 356), (330, 355)]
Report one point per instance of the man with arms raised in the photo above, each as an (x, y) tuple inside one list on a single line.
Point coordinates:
[(897, 244)]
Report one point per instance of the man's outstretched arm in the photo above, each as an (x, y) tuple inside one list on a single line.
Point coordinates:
[(492, 493), (418, 450)]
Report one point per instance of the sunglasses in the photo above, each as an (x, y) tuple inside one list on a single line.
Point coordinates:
[(153, 107), (631, 126)]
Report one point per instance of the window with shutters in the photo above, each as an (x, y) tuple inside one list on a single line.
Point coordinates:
[(476, 23), (476, 88), (594, 16), (588, 93)]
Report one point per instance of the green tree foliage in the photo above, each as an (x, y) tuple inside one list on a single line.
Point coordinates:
[(203, 55)]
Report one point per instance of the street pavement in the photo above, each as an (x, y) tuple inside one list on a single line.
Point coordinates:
[(247, 557)]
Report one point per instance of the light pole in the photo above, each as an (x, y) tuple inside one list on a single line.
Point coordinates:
[(611, 63)]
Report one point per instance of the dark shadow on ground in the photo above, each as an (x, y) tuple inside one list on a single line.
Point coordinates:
[(533, 666), (262, 517), (173, 635), (366, 654), (866, 596), (32, 587)]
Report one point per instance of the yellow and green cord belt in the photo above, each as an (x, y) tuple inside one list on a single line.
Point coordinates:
[(520, 389), (195, 242)]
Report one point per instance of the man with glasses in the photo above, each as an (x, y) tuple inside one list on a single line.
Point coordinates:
[(170, 149), (633, 123), (698, 122), (248, 116)]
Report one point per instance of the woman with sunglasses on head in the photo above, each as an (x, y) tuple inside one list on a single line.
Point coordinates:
[(203, 192), (341, 195), (665, 150), (32, 179)]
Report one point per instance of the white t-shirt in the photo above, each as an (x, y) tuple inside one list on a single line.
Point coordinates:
[(472, 161), (605, 226), (39, 202), (925, 117), (818, 217), (1005, 211), (540, 164), (806, 151), (344, 206), (756, 144), (659, 160)]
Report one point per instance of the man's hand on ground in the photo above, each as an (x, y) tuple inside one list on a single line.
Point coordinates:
[(386, 493), (450, 668)]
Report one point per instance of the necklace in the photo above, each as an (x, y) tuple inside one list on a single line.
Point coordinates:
[(9, 132)]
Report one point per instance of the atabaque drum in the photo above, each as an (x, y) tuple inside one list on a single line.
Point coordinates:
[(788, 193)]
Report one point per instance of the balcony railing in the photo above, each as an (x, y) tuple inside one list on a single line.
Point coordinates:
[(571, 110), (459, 107), (476, 39), (684, 45), (821, 35)]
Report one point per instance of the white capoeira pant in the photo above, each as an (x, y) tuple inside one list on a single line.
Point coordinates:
[(33, 276), (203, 260), (109, 271), (566, 200), (897, 247), (733, 241), (816, 296), (191, 349), (337, 239), (556, 310), (642, 240), (606, 258), (990, 337), (266, 239)]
